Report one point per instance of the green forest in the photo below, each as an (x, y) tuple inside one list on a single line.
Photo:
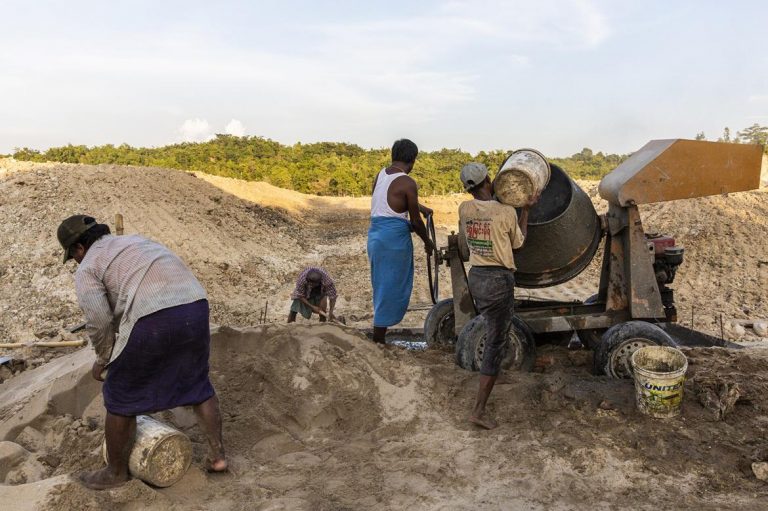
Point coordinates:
[(326, 168)]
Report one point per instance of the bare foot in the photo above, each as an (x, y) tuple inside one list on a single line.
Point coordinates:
[(216, 466), (483, 422), (102, 479)]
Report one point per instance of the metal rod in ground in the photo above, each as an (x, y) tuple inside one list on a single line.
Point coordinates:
[(119, 224), (722, 330), (692, 309), (266, 305), (77, 328)]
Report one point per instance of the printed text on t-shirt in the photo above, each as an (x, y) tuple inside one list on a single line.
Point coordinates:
[(479, 237)]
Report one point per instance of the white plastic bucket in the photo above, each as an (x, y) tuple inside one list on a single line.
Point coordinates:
[(525, 173), (659, 373), (161, 454)]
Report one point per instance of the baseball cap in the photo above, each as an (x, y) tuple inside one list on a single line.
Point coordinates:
[(70, 231), (472, 174)]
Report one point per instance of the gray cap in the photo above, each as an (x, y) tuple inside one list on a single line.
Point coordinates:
[(472, 174)]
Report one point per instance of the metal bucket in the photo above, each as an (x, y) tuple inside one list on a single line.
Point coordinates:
[(161, 455), (523, 174), (564, 233)]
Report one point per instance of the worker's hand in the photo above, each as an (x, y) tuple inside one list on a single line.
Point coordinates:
[(426, 211), (96, 371), (532, 201), (429, 247)]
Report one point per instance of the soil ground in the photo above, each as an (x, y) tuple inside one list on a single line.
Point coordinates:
[(318, 418)]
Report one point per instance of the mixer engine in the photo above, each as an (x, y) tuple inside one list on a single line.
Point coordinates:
[(666, 259)]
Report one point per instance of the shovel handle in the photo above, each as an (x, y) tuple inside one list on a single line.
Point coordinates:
[(51, 344)]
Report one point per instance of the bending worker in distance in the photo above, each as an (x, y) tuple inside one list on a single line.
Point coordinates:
[(147, 318), (490, 231), (395, 212), (315, 292)]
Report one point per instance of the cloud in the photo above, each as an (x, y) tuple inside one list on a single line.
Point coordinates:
[(200, 130), (195, 130), (234, 127), (416, 66), (567, 24), (314, 78)]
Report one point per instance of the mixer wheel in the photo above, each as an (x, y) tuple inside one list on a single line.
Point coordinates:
[(466, 343), (520, 352), (613, 355), (439, 327), (433, 262)]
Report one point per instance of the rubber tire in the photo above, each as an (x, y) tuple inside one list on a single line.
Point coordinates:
[(466, 343), (467, 356), (433, 263), (441, 315), (615, 336)]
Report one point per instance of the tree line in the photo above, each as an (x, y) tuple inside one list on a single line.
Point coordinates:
[(754, 134), (324, 168)]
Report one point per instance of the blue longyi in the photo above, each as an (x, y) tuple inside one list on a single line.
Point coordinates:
[(390, 252)]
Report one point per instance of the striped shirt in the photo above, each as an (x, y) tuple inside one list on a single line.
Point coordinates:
[(327, 287), (124, 278)]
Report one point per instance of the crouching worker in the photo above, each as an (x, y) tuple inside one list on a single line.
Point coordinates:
[(315, 292), (147, 318), (490, 231)]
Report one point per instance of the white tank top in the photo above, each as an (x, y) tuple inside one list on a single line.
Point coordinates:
[(379, 203)]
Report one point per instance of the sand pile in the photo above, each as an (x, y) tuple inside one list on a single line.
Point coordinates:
[(316, 417), (246, 242), (239, 250), (725, 270)]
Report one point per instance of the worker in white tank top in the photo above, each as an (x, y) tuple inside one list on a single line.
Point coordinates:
[(379, 202), (395, 212)]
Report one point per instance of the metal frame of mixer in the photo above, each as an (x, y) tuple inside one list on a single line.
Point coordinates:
[(629, 288)]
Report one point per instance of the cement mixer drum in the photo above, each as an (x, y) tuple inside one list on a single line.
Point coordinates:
[(564, 233)]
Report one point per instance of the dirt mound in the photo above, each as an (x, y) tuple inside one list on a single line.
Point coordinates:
[(238, 249), (317, 417), (725, 270), (245, 241)]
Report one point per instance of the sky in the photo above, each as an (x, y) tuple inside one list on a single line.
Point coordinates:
[(476, 75)]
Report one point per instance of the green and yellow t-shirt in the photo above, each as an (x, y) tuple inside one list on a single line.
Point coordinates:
[(490, 231)]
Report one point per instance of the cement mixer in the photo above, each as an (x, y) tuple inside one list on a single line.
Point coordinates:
[(634, 304)]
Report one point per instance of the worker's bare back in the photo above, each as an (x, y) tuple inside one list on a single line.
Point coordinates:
[(399, 191)]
